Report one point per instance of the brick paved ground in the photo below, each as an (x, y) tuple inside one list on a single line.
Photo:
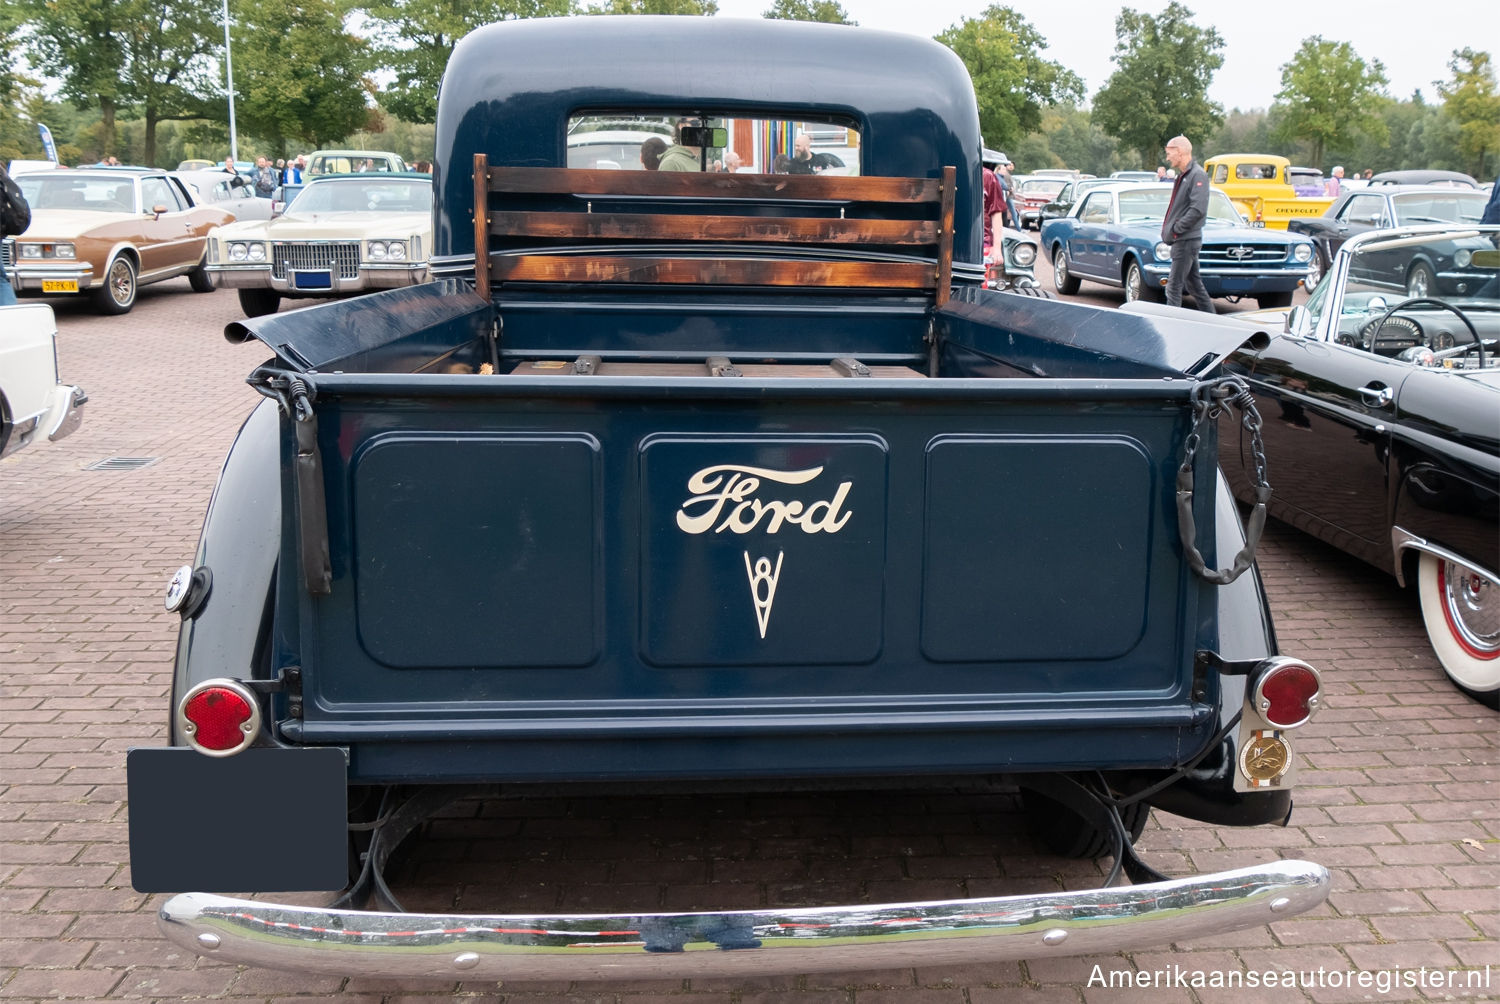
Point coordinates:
[(1398, 792)]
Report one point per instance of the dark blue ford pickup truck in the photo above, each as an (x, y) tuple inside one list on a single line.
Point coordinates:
[(708, 475)]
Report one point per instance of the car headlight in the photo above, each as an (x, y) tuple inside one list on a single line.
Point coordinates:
[(1302, 253), (1462, 257), (1163, 251), (63, 251), (377, 250), (257, 252), (1023, 254), (31, 250), (238, 252), (396, 250)]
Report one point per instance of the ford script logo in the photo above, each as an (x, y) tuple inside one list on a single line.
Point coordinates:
[(1241, 253)]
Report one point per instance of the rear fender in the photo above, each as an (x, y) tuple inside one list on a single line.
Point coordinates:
[(227, 634)]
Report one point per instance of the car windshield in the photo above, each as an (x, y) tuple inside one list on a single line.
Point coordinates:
[(66, 190), (1042, 186), (1459, 267), (1151, 204), (630, 141), (1453, 206), (387, 195)]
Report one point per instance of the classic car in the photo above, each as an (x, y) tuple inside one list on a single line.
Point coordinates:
[(1133, 176), (1066, 201), (616, 149), (195, 164), (1307, 181), (1447, 179), (352, 161), (1262, 188), (342, 234), (106, 232), (1114, 237), (1381, 425), (1032, 195), (1381, 207), (1015, 266), (234, 192), (32, 401)]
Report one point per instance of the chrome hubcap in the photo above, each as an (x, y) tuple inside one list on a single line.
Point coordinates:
[(119, 282), (1062, 269), (1419, 285), (1133, 285), (1473, 608)]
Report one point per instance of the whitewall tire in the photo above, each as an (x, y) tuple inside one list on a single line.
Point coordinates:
[(1461, 611)]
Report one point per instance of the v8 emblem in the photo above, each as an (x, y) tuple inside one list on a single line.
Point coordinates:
[(763, 586)]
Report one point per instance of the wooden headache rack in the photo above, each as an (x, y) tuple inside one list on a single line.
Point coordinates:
[(865, 207)]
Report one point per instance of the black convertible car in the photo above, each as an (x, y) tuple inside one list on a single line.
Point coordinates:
[(1360, 210), (1381, 426)]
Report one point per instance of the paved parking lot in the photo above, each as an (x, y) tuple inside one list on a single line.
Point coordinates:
[(1398, 790)]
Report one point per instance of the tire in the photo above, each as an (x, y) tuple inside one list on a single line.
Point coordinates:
[(1062, 276), (1063, 832), (1036, 291), (200, 280), (259, 302), (117, 295), (1273, 301), (1420, 281), (1461, 611), (1136, 287)]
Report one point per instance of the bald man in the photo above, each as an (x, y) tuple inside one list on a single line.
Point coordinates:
[(1182, 228)]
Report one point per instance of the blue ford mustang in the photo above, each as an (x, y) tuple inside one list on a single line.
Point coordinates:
[(1113, 236)]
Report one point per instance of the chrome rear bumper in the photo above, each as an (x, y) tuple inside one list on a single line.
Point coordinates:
[(740, 943)]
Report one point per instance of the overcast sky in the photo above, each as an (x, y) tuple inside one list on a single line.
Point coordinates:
[(1414, 40)]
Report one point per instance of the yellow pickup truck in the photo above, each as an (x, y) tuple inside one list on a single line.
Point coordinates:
[(1258, 185)]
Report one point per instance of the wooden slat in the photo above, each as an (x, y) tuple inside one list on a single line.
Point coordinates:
[(481, 225), (945, 244), (544, 180), (719, 271), (665, 226)]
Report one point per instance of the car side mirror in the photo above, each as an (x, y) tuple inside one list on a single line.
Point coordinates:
[(1299, 321), (158, 210)]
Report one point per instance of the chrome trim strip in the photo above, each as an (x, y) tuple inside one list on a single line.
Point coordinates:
[(739, 943), (1403, 539)]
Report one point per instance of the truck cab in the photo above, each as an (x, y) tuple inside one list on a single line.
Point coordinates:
[(1261, 188)]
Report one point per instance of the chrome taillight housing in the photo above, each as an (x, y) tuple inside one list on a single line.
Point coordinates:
[(219, 717), (1286, 692)]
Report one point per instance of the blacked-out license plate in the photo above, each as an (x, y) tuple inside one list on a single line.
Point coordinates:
[(265, 820), (312, 280)]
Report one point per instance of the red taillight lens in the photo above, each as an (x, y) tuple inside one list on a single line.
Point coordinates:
[(1287, 693), (219, 718)]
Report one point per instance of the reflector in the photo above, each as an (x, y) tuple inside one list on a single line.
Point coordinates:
[(1288, 694), (217, 713)]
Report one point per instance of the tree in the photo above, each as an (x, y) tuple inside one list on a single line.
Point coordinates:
[(167, 72), (1328, 96), (1011, 81), (82, 41), (1470, 100), (415, 38), (826, 11), (298, 75), (1161, 87), (703, 8)]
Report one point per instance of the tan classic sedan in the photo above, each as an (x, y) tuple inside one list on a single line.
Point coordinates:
[(105, 232)]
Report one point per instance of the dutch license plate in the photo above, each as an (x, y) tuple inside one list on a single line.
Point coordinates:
[(1233, 283), (312, 280), (265, 820), (59, 285), (1258, 223)]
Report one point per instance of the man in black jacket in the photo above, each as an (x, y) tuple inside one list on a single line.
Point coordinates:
[(1182, 227)]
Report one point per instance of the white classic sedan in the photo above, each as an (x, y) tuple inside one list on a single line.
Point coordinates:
[(32, 401), (342, 235)]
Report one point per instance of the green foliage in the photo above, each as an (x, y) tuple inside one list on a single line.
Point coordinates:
[(1328, 96), (1470, 100), (826, 11), (81, 41), (1160, 90), (298, 75), (1011, 81), (414, 39), (688, 7)]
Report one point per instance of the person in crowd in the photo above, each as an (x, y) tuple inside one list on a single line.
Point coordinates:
[(281, 170), (781, 164), (422, 167), (1182, 227), (801, 161), (1012, 214), (680, 157), (651, 152), (1335, 184), (229, 167), (14, 219), (1161, 172), (264, 178), (1369, 173), (1491, 212), (293, 173), (994, 204), (732, 162), (367, 166)]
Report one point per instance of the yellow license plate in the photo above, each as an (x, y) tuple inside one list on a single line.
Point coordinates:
[(59, 285)]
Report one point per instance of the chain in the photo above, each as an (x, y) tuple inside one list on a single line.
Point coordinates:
[(1210, 399)]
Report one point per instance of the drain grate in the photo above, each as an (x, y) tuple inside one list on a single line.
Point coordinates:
[(122, 464)]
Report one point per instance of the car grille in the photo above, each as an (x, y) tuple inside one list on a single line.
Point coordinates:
[(1241, 255), (8, 252), (340, 255)]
